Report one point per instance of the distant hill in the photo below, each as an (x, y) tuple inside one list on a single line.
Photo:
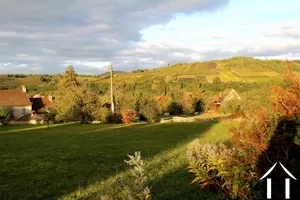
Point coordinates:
[(114, 72), (239, 69), (244, 69)]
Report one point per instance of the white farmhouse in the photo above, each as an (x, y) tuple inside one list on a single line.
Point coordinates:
[(17, 100)]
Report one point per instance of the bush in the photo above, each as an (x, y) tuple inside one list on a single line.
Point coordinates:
[(230, 106), (189, 103), (254, 99), (216, 166), (128, 116), (114, 118), (101, 115), (46, 78), (217, 80), (150, 111), (163, 103), (104, 115), (200, 106), (6, 115), (49, 117), (175, 108), (141, 117)]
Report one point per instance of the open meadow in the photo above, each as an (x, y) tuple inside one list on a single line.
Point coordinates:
[(149, 100), (84, 161)]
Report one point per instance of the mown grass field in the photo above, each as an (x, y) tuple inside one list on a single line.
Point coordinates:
[(77, 161)]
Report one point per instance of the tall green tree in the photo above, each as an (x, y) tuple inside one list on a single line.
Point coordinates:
[(69, 78), (74, 102)]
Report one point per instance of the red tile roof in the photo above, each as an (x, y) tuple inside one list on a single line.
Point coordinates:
[(14, 98), (39, 104)]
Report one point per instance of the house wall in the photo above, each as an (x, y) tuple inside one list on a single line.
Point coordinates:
[(232, 95), (17, 111)]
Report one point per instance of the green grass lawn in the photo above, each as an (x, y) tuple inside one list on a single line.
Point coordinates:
[(83, 161), (212, 116)]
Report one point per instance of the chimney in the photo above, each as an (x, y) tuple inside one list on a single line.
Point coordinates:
[(24, 88), (50, 97)]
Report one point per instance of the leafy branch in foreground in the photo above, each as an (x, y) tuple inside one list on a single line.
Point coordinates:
[(138, 173), (214, 167), (134, 187)]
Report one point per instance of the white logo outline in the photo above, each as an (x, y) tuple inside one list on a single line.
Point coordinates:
[(269, 182)]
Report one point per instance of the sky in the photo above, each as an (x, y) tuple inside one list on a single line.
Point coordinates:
[(39, 36)]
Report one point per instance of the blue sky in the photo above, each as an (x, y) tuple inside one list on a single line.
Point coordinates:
[(44, 37)]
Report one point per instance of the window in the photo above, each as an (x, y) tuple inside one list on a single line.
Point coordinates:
[(23, 111)]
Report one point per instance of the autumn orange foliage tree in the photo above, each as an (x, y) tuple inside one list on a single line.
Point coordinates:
[(252, 137), (258, 142), (128, 116), (287, 100)]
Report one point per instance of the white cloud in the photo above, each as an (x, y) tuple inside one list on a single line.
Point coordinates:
[(45, 36), (288, 29), (5, 64)]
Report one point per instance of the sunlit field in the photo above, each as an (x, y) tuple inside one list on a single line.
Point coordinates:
[(77, 161)]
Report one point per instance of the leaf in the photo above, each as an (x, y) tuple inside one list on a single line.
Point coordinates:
[(212, 168), (226, 183), (196, 179), (224, 173), (235, 189), (205, 184)]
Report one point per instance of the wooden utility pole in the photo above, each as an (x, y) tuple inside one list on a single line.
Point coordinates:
[(111, 89)]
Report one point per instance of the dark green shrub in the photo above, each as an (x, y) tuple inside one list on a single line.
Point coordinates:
[(175, 108), (101, 115), (49, 117), (150, 111), (6, 115), (142, 117), (114, 118), (200, 106)]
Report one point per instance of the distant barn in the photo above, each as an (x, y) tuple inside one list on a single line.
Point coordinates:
[(226, 95)]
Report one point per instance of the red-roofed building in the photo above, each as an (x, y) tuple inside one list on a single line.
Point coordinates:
[(17, 100), (40, 104)]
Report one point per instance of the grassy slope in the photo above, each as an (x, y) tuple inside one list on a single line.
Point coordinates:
[(83, 161), (234, 69)]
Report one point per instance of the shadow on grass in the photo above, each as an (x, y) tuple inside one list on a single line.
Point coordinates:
[(50, 163), (115, 126), (177, 185)]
